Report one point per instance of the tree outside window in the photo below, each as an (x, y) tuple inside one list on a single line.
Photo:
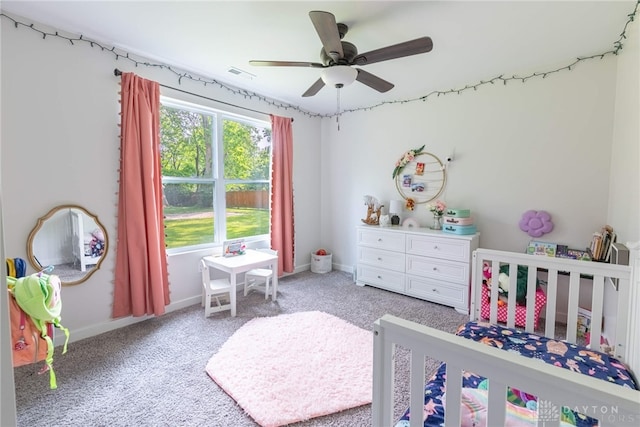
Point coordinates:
[(216, 175)]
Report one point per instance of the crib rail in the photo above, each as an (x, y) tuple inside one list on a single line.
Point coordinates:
[(602, 274), (609, 403)]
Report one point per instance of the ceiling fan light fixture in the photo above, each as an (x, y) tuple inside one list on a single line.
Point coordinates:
[(339, 75)]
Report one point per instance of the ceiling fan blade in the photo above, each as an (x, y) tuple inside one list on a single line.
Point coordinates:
[(412, 47), (373, 82), (327, 29), (287, 64), (319, 84)]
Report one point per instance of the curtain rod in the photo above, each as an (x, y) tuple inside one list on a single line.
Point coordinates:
[(118, 73)]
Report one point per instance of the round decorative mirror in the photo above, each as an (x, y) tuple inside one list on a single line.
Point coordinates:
[(70, 240)]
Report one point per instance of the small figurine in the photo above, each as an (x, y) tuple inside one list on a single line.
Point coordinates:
[(373, 210)]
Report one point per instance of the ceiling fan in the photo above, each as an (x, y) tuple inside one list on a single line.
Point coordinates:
[(339, 56)]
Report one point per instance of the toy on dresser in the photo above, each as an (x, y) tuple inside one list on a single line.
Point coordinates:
[(374, 207), (458, 221)]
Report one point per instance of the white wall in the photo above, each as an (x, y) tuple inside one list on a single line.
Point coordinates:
[(61, 146), (624, 203), (545, 144)]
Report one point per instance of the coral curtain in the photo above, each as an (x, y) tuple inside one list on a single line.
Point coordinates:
[(141, 278), (282, 193)]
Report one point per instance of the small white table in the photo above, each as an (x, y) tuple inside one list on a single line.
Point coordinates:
[(243, 263)]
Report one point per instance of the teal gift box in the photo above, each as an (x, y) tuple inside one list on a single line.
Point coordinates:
[(458, 213), (459, 229), (457, 221)]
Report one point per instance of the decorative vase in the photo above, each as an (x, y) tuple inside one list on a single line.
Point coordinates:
[(437, 222)]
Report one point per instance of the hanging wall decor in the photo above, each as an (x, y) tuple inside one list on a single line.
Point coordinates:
[(420, 177)]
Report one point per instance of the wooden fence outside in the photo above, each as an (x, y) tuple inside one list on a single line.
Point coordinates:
[(248, 199)]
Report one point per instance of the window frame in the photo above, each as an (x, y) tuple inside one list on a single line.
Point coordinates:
[(217, 179)]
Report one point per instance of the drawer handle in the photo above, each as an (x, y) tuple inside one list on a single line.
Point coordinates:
[(434, 290), (379, 277), (379, 239), (435, 247), (435, 268), (379, 259)]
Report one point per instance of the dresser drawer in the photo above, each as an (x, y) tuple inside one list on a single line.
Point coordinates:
[(379, 258), (451, 271), (421, 263), (438, 291), (387, 240), (379, 277), (438, 247)]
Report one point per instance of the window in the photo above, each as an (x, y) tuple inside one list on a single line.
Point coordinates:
[(215, 175)]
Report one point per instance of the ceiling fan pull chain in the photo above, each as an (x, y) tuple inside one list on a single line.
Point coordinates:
[(338, 107)]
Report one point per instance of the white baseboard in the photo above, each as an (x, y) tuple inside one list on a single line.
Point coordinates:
[(339, 267), (93, 330), (345, 268)]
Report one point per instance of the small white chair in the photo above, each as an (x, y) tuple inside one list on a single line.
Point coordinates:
[(259, 278), (215, 292)]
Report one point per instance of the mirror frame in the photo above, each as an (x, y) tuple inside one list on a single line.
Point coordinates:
[(32, 259)]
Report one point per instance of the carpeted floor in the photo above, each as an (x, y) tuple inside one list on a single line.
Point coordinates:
[(70, 272), (153, 373)]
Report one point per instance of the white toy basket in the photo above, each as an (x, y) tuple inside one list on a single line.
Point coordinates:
[(320, 263)]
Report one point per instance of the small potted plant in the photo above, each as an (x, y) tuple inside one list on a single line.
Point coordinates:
[(437, 209)]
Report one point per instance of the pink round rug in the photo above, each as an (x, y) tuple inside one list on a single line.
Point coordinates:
[(294, 367)]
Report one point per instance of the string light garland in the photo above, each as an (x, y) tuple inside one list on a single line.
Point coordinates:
[(119, 54)]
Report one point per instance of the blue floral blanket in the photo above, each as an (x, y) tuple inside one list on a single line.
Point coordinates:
[(522, 408)]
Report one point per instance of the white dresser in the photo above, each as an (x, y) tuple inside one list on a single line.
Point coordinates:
[(418, 262)]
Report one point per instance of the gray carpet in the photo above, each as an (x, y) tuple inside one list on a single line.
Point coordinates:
[(152, 373), (70, 272)]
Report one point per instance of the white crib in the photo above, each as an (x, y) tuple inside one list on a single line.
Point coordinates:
[(556, 386), (81, 248)]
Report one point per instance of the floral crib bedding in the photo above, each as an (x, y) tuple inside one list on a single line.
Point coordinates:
[(521, 407), (94, 243)]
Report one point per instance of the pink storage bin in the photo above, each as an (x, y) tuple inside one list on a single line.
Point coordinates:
[(457, 221)]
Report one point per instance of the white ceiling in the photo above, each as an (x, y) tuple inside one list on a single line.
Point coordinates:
[(473, 40)]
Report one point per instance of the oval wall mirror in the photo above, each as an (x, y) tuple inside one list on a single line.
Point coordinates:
[(71, 240)]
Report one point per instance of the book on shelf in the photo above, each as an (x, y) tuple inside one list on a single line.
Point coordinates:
[(578, 254), (600, 247), (596, 242), (608, 238), (606, 241), (542, 248), (614, 238), (584, 322), (563, 251)]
